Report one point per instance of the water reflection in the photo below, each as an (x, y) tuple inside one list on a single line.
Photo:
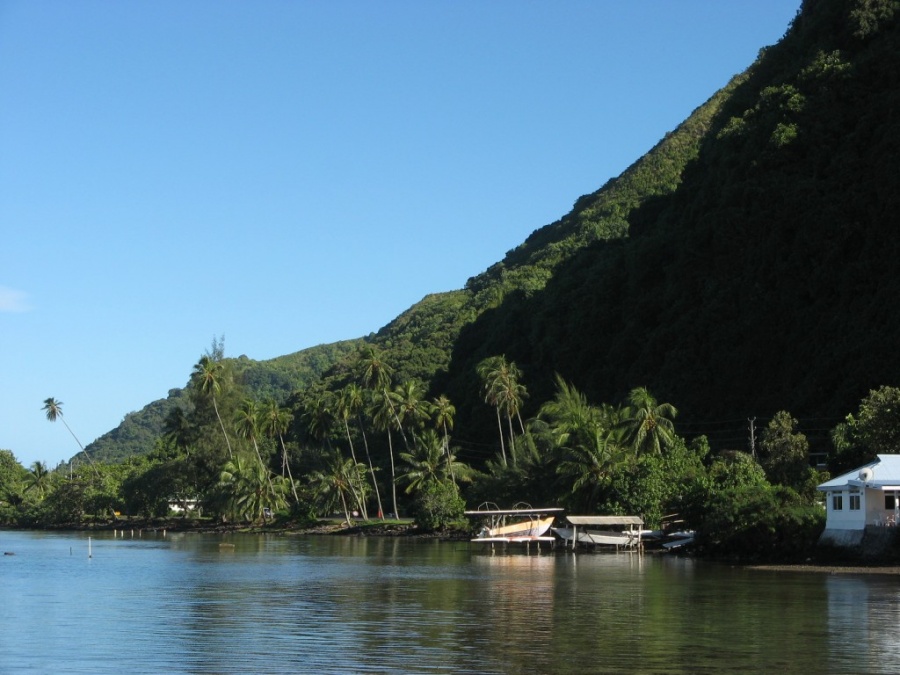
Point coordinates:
[(184, 603)]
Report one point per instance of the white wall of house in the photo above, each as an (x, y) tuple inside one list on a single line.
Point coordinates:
[(840, 515)]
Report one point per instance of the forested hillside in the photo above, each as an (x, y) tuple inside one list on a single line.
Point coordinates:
[(744, 265), (272, 379), (765, 280)]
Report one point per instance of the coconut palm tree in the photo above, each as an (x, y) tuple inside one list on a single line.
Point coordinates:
[(53, 408), (318, 415), (38, 479), (275, 422), (444, 412), (428, 463), (207, 375), (247, 420), (248, 490), (648, 425), (411, 408), (503, 390), (385, 419), (342, 478), (352, 403)]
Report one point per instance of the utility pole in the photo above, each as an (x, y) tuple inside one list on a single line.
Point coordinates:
[(752, 421)]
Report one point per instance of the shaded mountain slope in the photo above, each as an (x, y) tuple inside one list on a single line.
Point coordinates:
[(766, 280)]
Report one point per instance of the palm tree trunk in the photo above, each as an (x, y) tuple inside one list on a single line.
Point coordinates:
[(500, 428), (393, 477), (371, 469), (287, 464), (219, 417), (264, 468), (512, 439)]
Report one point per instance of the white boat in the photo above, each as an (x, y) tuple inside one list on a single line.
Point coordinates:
[(521, 525), (584, 530)]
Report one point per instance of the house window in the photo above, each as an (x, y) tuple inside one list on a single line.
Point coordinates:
[(854, 502), (890, 502), (837, 503)]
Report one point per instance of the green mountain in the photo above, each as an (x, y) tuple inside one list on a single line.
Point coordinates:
[(274, 378), (746, 264)]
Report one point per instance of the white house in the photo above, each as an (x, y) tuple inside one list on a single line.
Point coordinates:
[(867, 496)]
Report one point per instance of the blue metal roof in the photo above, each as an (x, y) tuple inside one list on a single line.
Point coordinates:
[(885, 472)]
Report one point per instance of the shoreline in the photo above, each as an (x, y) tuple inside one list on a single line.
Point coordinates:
[(825, 568)]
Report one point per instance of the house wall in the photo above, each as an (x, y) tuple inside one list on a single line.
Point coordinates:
[(847, 518)]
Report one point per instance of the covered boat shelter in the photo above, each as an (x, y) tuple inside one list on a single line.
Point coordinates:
[(632, 534)]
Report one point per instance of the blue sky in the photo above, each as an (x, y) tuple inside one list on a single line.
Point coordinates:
[(287, 174)]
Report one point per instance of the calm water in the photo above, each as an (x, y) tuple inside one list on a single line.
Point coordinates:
[(276, 604)]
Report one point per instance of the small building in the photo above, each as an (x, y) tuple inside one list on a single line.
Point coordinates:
[(867, 497)]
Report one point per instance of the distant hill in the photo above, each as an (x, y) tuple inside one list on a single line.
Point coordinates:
[(274, 378)]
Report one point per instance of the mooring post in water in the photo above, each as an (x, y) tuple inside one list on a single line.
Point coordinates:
[(90, 554)]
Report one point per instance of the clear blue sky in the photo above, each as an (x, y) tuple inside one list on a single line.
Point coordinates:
[(286, 174)]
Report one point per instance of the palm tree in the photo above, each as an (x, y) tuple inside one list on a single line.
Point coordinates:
[(340, 479), (53, 408), (487, 370), (208, 373), (384, 418), (586, 437), (411, 407), (375, 375), (247, 420), (444, 412), (588, 465), (38, 479), (275, 422), (648, 425), (352, 402), (318, 414), (427, 464), (248, 490), (503, 390), (178, 427)]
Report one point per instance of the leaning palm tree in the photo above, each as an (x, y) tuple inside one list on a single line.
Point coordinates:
[(247, 420), (648, 425), (53, 408), (275, 422), (208, 376)]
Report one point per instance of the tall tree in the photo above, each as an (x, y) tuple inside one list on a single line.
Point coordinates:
[(648, 424), (207, 376), (353, 402), (53, 408), (503, 389), (275, 422), (444, 412), (384, 418), (247, 420)]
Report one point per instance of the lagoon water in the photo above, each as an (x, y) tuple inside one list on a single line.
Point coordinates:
[(322, 604)]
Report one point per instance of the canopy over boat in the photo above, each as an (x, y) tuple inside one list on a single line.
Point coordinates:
[(605, 520)]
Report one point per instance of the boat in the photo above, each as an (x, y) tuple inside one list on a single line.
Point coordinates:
[(520, 524), (584, 530)]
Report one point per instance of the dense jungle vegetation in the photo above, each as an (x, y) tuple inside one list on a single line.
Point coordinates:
[(743, 268)]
